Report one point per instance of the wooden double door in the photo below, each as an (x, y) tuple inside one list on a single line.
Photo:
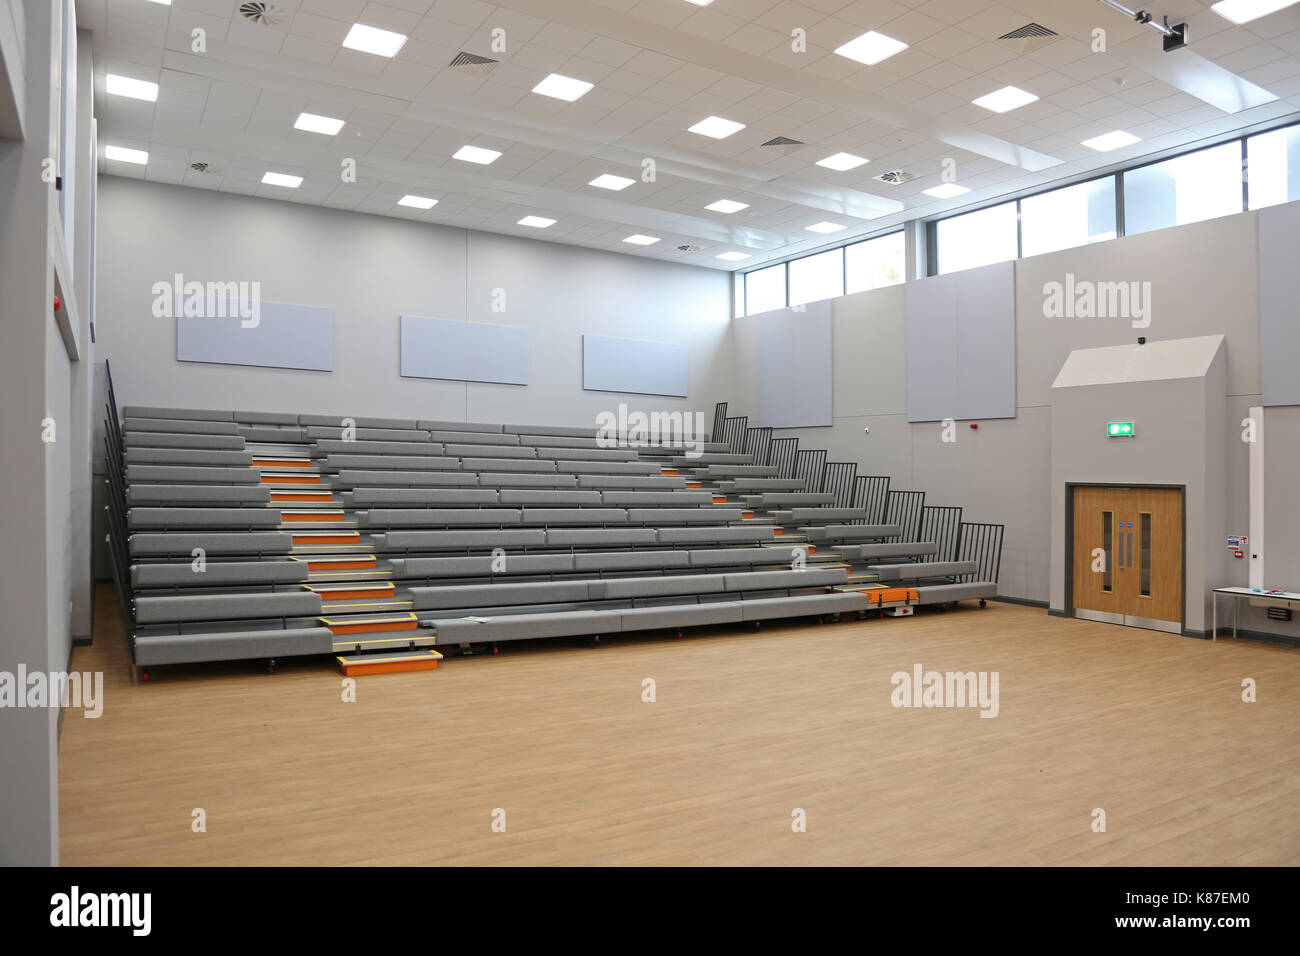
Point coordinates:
[(1128, 556)]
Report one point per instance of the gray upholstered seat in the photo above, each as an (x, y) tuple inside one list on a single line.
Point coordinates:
[(218, 573), (179, 426), (497, 595), (185, 414), (557, 497), (186, 456), (336, 461), (155, 439), (439, 517), (850, 532), (734, 533), (159, 544), (421, 497), (177, 474), (226, 607), (327, 446), (151, 649), (599, 537), (665, 516), (203, 518), (360, 477), (963, 591), (889, 549), (473, 438), (481, 566), (143, 493), (921, 570), (469, 539)]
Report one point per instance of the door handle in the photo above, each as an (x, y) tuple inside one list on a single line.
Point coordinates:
[(1128, 560)]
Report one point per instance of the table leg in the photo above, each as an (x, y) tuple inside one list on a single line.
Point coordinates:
[(1214, 616)]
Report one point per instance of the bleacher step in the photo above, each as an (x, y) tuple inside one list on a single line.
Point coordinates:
[(356, 665)]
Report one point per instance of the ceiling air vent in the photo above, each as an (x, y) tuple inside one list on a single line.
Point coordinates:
[(688, 247), (205, 168), (783, 145), (1030, 37), (895, 177), (473, 63), (267, 14)]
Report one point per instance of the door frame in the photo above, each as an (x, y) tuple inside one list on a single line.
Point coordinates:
[(1069, 539)]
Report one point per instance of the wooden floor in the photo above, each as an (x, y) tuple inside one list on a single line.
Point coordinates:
[(746, 728)]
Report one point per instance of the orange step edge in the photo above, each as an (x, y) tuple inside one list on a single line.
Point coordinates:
[(340, 627), (353, 669), (279, 463), (291, 479), (311, 516), (351, 594)]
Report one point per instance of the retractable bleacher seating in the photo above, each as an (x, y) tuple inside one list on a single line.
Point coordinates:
[(258, 535)]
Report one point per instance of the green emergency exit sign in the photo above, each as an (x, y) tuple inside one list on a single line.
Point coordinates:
[(1120, 429)]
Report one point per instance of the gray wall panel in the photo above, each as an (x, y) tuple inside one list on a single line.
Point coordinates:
[(1279, 302), (464, 351), (612, 364)]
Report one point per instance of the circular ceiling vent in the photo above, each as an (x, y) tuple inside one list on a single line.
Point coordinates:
[(688, 247), (259, 11), (206, 168)]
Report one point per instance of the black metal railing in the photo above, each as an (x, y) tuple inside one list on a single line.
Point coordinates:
[(942, 525)]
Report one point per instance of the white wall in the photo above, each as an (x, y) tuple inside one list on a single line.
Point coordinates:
[(370, 270), (1204, 279)]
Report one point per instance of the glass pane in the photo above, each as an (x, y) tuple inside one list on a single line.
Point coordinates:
[(765, 289), (875, 263), (817, 277), (1200, 185), (738, 294), (1273, 165), (977, 238), (1064, 218), (1106, 549), (1146, 555)]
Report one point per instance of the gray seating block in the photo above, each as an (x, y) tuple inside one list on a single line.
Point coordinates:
[(178, 474), (435, 425), (203, 518), (189, 414), (738, 471), (567, 517), (763, 485), (471, 539), (715, 458), (739, 557), (438, 517), (266, 433), (145, 494), (891, 549), (630, 560), (499, 479), (179, 426), (186, 456), (662, 516), (481, 464), (965, 591), (225, 607), (266, 418), (459, 567), (921, 570), (769, 580), (588, 454), (172, 440), (361, 478), (564, 497), (341, 462), (716, 535), (643, 498), (474, 438), (786, 499), (592, 537), (489, 451), (183, 574), (580, 431), (640, 482), (850, 532), (157, 649), (679, 615), (497, 595), (360, 421), (158, 544), (630, 588), (559, 441), (835, 602), (607, 467), (424, 497), (411, 436), (514, 627), (822, 515), (360, 447)]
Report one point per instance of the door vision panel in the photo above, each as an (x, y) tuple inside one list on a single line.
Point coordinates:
[(1127, 565)]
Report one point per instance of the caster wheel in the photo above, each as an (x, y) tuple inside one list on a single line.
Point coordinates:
[(679, 635), (983, 603), (144, 676), (495, 650)]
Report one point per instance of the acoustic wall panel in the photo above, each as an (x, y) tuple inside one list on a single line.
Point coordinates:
[(1279, 291), (794, 366), (961, 345), (634, 365), (269, 334), (464, 351)]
